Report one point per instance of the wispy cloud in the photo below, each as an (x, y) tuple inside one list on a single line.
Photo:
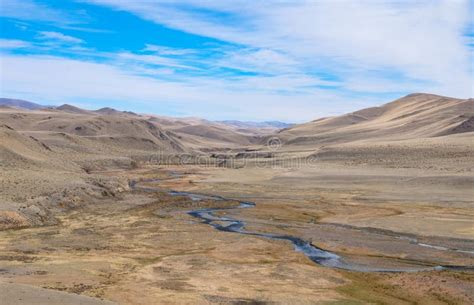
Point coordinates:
[(27, 11), (291, 61), (13, 44), (59, 37), (422, 41), (206, 97), (153, 60), (259, 60), (162, 50), (30, 10)]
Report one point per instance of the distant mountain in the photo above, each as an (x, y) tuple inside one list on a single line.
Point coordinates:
[(73, 109), (107, 111), (157, 119), (20, 104), (249, 124), (112, 111)]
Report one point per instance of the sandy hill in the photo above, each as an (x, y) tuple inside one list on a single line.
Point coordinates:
[(81, 132), (192, 132), (108, 111), (20, 150), (413, 116), (72, 109), (56, 151), (417, 131), (201, 134), (212, 135), (112, 111)]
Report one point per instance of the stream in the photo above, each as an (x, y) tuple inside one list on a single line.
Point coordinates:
[(317, 255)]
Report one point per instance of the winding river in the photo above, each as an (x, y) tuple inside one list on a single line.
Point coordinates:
[(319, 256)]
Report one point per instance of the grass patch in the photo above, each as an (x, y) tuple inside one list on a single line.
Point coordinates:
[(368, 288)]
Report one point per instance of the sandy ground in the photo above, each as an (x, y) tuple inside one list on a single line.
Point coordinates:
[(24, 294), (145, 249)]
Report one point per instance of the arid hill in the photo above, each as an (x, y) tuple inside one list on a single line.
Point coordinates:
[(111, 111), (195, 133), (48, 156), (205, 135), (413, 116), (418, 130), (72, 109), (128, 134), (16, 103)]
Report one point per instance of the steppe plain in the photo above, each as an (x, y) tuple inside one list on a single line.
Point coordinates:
[(389, 186)]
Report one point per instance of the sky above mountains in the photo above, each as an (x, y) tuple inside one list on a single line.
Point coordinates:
[(248, 60)]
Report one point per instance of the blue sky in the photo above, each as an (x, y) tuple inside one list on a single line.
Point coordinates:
[(250, 60)]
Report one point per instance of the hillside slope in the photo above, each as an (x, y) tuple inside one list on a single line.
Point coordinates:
[(202, 134), (83, 135), (411, 117)]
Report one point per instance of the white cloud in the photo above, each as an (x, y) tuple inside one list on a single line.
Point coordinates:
[(305, 59), (59, 37), (421, 41), (73, 80), (259, 60), (24, 11)]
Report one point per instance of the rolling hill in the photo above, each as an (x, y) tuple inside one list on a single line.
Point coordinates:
[(16, 103), (413, 116)]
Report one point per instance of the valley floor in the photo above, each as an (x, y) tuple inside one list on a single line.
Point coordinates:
[(143, 248)]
